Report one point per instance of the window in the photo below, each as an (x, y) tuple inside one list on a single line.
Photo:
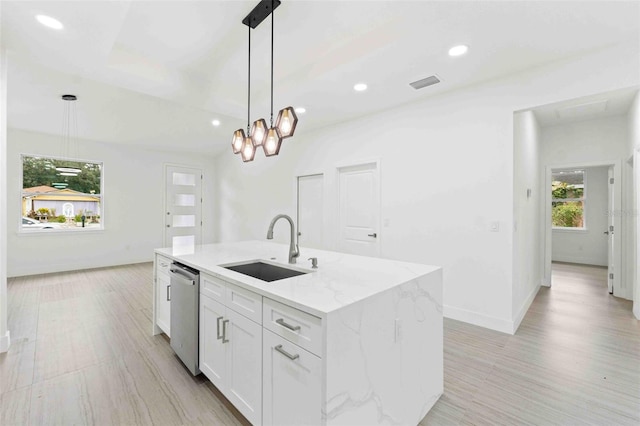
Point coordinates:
[(568, 199), (60, 194)]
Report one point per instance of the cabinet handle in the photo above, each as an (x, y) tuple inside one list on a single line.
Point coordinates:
[(168, 294), (224, 331), (374, 235), (218, 330), (285, 353), (289, 326)]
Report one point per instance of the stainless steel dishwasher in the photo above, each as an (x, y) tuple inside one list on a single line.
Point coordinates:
[(185, 306)]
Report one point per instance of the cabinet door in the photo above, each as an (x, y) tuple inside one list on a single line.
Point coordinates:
[(212, 349), (244, 366), (163, 305), (291, 383)]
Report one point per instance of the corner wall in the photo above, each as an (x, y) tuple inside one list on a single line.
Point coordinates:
[(527, 235), (133, 207), (446, 175), (4, 332), (633, 148)]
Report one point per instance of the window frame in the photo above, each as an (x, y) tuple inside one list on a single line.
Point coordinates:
[(582, 199), (59, 231)]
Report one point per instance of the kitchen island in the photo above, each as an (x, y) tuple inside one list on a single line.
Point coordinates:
[(357, 341)]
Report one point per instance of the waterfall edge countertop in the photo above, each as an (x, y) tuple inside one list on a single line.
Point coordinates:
[(340, 280)]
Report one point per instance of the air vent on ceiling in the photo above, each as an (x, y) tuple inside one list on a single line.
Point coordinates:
[(429, 81)]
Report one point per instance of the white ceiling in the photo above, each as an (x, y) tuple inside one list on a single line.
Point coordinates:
[(156, 73), (601, 105)]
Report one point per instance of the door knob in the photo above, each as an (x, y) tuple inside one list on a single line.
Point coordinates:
[(374, 235)]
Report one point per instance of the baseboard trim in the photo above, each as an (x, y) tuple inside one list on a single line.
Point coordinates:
[(5, 342), (636, 310), (524, 308), (579, 260), (481, 320)]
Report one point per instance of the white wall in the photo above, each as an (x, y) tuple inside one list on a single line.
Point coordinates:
[(4, 332), (133, 207), (527, 235), (633, 147), (601, 141), (446, 174), (588, 246)]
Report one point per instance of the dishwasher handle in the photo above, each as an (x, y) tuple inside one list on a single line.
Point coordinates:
[(183, 273)]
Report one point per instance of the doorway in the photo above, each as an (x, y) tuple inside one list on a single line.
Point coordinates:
[(359, 209), (581, 226), (310, 211)]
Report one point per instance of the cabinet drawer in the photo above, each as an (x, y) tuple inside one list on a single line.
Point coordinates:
[(212, 287), (244, 302), (299, 327), (162, 265)]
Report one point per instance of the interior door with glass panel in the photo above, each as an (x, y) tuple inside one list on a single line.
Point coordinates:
[(183, 208)]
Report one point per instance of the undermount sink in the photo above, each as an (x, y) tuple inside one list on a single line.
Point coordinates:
[(265, 271)]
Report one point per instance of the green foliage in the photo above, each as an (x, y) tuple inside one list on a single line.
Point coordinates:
[(564, 190), (567, 215), (78, 218), (37, 171), (43, 211), (61, 219)]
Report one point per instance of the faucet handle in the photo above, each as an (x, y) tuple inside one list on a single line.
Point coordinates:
[(314, 262)]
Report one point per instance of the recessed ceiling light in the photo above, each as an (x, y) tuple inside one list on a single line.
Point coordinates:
[(50, 22), (216, 123), (360, 87), (458, 50), (301, 110)]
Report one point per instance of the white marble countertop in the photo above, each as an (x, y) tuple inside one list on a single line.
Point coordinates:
[(340, 280)]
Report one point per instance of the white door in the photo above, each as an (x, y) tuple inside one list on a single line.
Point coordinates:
[(310, 211), (183, 214), (291, 383), (244, 366), (212, 350), (359, 209), (611, 275)]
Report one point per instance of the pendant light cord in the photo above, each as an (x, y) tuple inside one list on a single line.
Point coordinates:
[(272, 63), (249, 86)]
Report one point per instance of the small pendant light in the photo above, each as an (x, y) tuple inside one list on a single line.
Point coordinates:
[(273, 141)]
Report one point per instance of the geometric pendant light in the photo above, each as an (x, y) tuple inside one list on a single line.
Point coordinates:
[(269, 138)]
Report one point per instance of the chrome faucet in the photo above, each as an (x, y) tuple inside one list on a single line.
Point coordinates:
[(293, 246)]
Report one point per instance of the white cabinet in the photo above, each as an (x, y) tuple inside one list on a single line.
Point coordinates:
[(162, 297), (231, 344), (291, 383)]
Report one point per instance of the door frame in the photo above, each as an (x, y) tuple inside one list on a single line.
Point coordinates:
[(619, 289), (296, 199), (336, 178)]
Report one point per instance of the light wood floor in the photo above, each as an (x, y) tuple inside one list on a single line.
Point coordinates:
[(82, 354)]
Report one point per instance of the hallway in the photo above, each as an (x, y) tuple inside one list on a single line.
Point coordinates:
[(574, 360)]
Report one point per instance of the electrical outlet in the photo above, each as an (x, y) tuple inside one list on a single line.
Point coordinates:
[(398, 330)]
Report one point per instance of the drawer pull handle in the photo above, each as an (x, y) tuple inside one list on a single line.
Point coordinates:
[(218, 330), (289, 326), (285, 353), (168, 294), (224, 331)]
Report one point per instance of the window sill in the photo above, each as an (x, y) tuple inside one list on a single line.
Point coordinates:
[(38, 232), (571, 230)]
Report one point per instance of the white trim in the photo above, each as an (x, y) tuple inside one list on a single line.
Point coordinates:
[(525, 308), (481, 320), (5, 342)]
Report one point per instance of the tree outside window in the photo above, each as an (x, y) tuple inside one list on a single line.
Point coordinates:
[(568, 199)]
